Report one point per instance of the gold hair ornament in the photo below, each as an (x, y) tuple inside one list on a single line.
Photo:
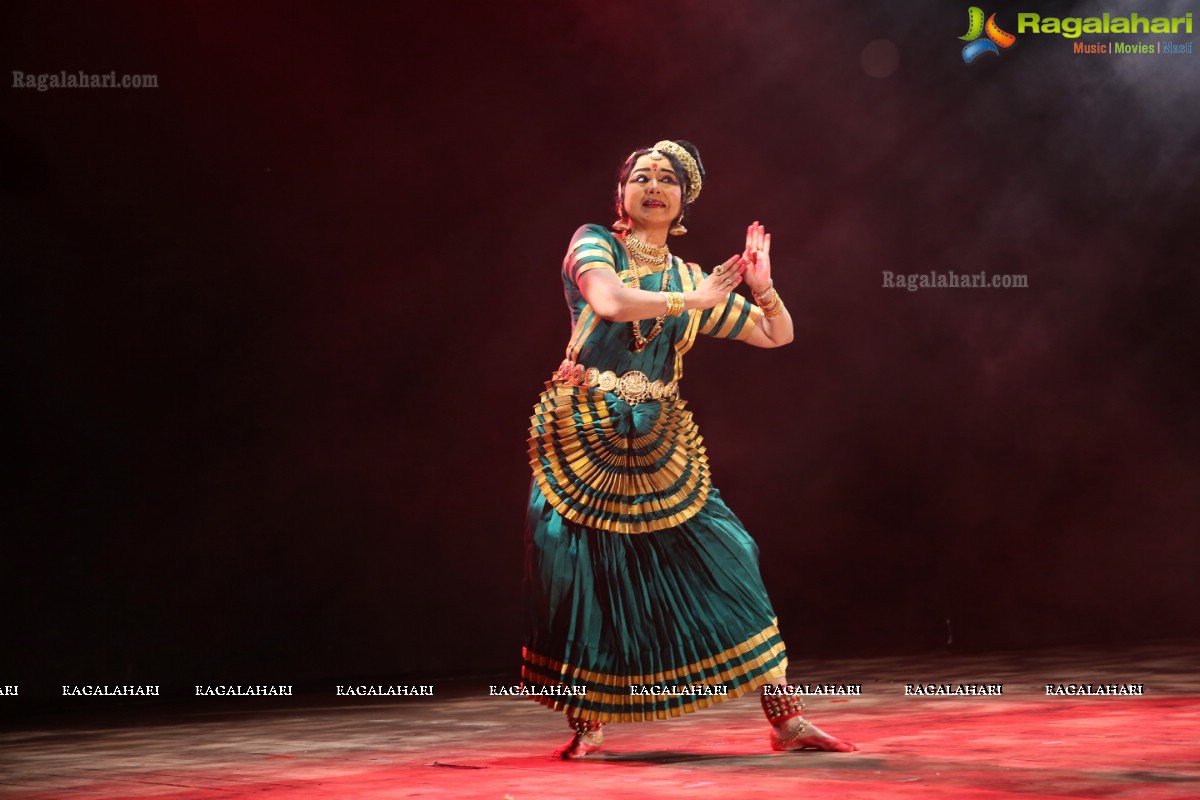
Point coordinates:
[(689, 164)]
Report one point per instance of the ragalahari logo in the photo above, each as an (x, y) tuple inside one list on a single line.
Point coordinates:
[(995, 40)]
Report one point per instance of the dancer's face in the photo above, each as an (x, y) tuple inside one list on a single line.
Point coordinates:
[(653, 191)]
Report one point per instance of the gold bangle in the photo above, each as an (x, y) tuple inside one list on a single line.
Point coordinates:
[(674, 304), (773, 309), (758, 296)]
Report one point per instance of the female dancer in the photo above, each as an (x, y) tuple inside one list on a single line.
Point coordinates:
[(644, 594)]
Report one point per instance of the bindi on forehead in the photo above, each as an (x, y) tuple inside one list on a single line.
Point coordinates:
[(655, 168), (654, 161), (655, 173)]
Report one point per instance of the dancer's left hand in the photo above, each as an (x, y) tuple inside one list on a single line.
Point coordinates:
[(758, 254)]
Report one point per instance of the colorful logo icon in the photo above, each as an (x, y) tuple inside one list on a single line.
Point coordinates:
[(995, 40)]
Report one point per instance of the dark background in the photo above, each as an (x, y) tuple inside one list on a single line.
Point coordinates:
[(275, 327)]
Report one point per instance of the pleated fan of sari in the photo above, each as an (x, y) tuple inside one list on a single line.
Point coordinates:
[(603, 464)]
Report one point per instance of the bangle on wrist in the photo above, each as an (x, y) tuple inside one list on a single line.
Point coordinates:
[(758, 296), (674, 304), (774, 308)]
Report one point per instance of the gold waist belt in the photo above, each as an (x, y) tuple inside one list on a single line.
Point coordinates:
[(633, 387)]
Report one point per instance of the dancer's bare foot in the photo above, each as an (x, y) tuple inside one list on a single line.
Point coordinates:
[(798, 733), (580, 745)]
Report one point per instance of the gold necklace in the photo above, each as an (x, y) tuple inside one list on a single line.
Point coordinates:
[(639, 343), (650, 253)]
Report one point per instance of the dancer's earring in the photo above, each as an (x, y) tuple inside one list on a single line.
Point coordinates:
[(621, 225)]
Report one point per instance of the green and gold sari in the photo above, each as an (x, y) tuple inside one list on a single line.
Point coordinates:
[(638, 575)]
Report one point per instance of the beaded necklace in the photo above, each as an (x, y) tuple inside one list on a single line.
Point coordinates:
[(656, 256)]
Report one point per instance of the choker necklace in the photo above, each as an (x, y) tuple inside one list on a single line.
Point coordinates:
[(651, 254)]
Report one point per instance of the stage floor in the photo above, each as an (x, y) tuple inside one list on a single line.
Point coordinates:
[(464, 743)]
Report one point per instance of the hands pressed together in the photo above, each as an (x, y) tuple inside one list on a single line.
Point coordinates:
[(753, 265)]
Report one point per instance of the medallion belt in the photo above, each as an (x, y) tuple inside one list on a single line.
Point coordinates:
[(633, 387)]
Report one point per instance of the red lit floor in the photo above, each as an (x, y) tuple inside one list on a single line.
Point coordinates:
[(463, 743)]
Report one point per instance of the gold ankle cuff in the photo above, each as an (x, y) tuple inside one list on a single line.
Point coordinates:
[(782, 742)]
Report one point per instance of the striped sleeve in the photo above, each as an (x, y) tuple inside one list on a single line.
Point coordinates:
[(591, 248), (734, 318)]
